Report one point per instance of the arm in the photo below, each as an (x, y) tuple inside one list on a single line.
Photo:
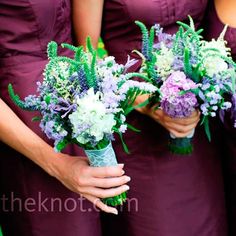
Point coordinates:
[(74, 172), (87, 20)]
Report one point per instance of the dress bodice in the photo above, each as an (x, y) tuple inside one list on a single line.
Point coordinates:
[(120, 33), (28, 25)]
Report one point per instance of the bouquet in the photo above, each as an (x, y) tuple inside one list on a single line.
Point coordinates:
[(84, 100), (189, 73)]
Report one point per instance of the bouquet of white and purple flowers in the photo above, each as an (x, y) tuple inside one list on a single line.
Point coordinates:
[(84, 100), (189, 73)]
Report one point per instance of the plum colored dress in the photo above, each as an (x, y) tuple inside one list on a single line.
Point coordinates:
[(215, 27), (170, 194), (32, 203)]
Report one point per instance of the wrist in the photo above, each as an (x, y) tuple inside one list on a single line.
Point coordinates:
[(56, 164), (49, 160)]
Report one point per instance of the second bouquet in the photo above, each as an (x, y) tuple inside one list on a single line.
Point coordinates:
[(85, 100), (190, 74)]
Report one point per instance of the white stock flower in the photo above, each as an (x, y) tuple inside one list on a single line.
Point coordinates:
[(164, 61)]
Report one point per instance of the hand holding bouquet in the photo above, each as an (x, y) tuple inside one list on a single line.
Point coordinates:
[(85, 101), (189, 74)]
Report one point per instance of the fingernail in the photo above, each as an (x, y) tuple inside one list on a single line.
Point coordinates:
[(114, 211), (127, 178), (126, 187), (122, 172), (121, 165)]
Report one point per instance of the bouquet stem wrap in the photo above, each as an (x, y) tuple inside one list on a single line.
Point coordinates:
[(181, 145), (101, 158)]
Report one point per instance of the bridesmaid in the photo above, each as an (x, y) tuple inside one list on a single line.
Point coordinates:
[(221, 12), (39, 189), (170, 194)]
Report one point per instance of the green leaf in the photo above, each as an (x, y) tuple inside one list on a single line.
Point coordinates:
[(129, 126), (142, 104), (207, 128), (36, 118), (123, 143), (61, 145), (47, 99), (187, 64)]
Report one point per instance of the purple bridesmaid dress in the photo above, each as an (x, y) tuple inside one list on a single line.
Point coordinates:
[(215, 27), (31, 202), (170, 194)]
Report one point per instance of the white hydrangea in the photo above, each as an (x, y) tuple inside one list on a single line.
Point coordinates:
[(214, 65), (164, 61), (91, 112)]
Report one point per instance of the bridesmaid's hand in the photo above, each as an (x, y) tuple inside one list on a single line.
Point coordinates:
[(92, 183), (74, 172), (179, 127)]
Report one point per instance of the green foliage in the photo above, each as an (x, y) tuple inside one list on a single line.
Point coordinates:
[(205, 122), (145, 38), (52, 49), (187, 64), (181, 146), (68, 46), (151, 42), (16, 99), (134, 74), (61, 145), (89, 45), (93, 77), (147, 50), (115, 201), (82, 59), (101, 51)]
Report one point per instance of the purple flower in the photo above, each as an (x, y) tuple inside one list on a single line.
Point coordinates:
[(176, 99), (32, 102), (64, 107), (53, 131), (178, 64), (204, 108), (129, 63), (164, 38), (233, 109)]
